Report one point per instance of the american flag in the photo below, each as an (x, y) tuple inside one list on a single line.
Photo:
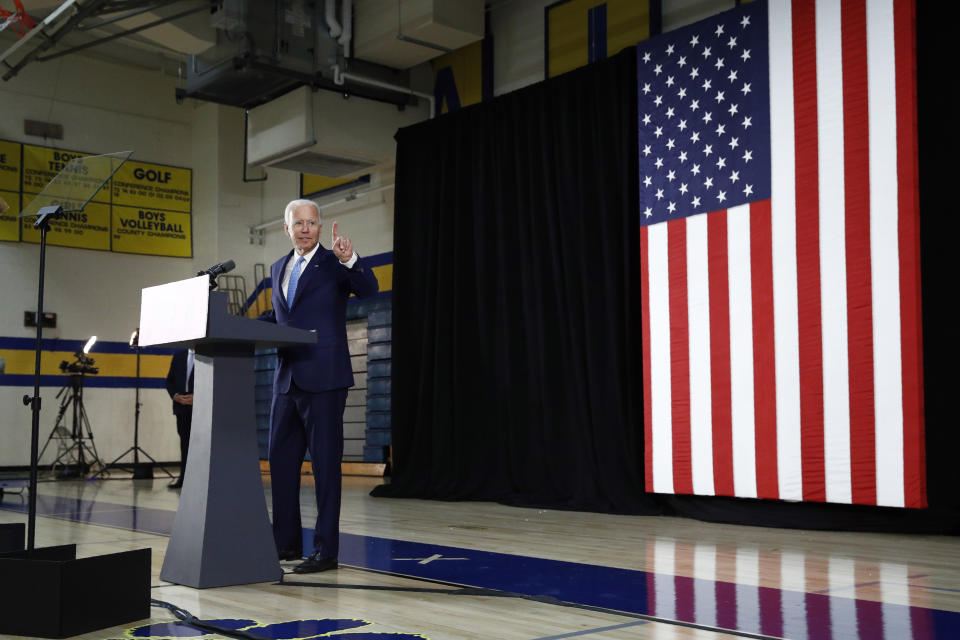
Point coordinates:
[(780, 254)]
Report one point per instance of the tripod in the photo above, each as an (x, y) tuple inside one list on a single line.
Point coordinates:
[(140, 470), (81, 447)]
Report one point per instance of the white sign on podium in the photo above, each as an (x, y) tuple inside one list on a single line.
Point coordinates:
[(174, 312)]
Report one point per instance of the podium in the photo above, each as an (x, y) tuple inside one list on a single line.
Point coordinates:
[(221, 534)]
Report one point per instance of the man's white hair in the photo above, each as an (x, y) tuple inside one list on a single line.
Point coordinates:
[(288, 212)]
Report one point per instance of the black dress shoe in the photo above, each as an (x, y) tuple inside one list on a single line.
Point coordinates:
[(315, 564), (290, 555), (176, 484)]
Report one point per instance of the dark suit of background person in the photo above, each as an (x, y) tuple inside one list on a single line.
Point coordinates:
[(180, 388), (311, 381)]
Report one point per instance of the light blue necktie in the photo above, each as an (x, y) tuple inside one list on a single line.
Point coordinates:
[(294, 279)]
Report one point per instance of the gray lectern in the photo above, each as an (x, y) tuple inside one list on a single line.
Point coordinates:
[(221, 535)]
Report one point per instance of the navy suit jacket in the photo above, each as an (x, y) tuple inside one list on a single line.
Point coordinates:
[(177, 381), (320, 305)]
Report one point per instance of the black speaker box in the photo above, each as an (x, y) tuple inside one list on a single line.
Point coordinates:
[(49, 593), (12, 536)]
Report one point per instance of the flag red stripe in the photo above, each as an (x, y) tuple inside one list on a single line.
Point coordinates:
[(719, 292), (645, 337), (764, 350), (808, 251), (679, 355), (856, 176), (725, 589), (911, 344), (771, 599)]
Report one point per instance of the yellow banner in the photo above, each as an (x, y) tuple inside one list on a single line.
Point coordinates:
[(154, 186), (9, 167), (627, 22), (23, 361), (41, 164), (384, 275), (151, 232), (312, 185), (87, 229), (466, 64), (9, 208)]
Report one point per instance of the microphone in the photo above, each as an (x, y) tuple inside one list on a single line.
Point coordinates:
[(218, 269)]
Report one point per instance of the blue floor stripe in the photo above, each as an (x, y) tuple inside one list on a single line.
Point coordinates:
[(755, 610)]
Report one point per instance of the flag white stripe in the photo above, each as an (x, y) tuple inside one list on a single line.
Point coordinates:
[(661, 418), (741, 352), (704, 589), (664, 562), (833, 269), (896, 600), (843, 605), (698, 318), (885, 254), (748, 596), (784, 238), (793, 603)]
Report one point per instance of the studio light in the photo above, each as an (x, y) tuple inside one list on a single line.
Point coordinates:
[(92, 341)]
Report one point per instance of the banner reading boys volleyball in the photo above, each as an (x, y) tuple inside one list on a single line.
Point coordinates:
[(150, 231)]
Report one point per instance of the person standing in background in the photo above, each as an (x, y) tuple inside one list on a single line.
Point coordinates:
[(180, 388)]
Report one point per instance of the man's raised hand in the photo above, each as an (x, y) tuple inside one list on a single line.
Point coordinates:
[(342, 245)]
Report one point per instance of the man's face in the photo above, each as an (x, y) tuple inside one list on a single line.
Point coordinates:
[(304, 231)]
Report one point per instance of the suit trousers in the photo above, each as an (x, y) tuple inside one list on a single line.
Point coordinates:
[(301, 421), (184, 421)]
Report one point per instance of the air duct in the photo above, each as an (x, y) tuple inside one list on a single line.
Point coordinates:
[(325, 133)]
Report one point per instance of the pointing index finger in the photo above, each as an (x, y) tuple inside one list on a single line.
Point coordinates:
[(335, 235)]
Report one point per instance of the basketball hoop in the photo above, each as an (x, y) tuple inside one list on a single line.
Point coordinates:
[(19, 21)]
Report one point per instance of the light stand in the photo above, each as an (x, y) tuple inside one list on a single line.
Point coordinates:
[(144, 470)]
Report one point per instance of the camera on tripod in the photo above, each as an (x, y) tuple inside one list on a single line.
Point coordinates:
[(82, 365), (76, 453)]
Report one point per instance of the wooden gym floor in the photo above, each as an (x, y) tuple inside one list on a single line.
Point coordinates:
[(441, 570)]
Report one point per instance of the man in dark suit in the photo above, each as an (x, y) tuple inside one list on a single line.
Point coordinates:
[(180, 388), (311, 285)]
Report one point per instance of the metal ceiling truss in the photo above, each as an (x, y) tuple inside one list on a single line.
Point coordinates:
[(80, 21)]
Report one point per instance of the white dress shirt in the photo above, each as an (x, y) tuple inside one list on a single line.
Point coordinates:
[(306, 260)]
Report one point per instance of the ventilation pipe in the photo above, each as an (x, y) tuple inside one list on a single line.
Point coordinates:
[(330, 8), (346, 16)]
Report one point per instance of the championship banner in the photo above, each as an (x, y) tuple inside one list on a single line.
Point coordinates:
[(9, 190), (145, 209), (151, 232), (87, 229), (154, 186), (9, 206), (41, 165), (9, 166)]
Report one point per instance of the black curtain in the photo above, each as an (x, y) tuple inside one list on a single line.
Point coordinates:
[(516, 343)]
